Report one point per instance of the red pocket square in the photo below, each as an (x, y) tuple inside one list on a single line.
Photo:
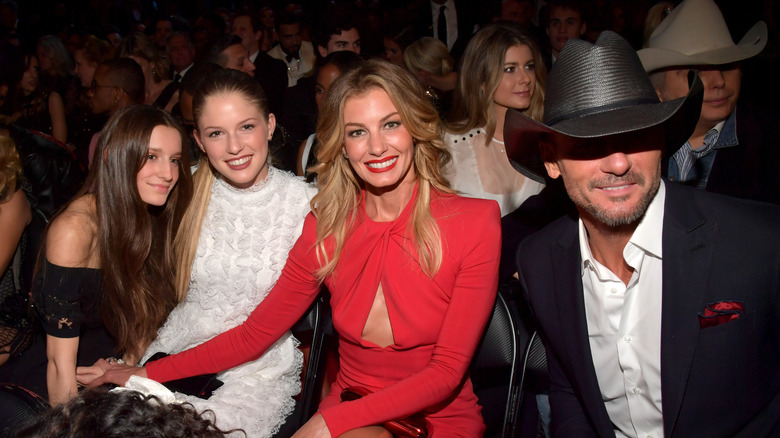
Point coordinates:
[(720, 312)]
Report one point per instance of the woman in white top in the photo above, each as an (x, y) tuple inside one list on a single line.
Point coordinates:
[(244, 218), (501, 69)]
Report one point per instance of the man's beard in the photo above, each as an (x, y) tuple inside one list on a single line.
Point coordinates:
[(621, 218)]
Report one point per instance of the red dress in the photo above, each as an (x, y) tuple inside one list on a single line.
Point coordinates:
[(436, 322)]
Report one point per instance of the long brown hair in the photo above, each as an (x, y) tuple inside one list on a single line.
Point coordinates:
[(219, 82), (339, 195), (135, 240), (480, 73)]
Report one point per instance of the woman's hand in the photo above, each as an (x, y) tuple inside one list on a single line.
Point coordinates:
[(314, 428), (107, 372)]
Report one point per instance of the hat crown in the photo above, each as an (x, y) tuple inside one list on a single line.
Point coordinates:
[(587, 79), (693, 27)]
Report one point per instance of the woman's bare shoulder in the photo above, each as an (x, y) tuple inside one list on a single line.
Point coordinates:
[(72, 237)]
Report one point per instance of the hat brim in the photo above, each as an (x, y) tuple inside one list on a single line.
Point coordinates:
[(522, 135), (750, 45)]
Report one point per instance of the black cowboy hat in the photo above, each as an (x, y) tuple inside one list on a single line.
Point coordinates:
[(597, 90)]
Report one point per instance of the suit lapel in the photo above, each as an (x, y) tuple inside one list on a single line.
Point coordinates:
[(569, 298), (687, 256)]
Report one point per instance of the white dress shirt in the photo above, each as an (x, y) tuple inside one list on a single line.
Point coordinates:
[(298, 67), (624, 327)]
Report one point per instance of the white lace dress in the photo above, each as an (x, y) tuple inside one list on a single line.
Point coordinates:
[(243, 246), (480, 170)]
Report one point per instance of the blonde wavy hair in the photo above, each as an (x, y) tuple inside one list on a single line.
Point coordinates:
[(482, 67), (339, 194), (429, 54), (10, 168)]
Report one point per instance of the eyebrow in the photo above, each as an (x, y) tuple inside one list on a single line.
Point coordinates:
[(383, 119), (250, 119)]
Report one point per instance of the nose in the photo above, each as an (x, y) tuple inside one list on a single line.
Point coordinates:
[(616, 163), (250, 67), (523, 77), (167, 171), (233, 145), (712, 78), (376, 145)]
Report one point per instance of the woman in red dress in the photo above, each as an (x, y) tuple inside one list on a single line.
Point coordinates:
[(412, 269)]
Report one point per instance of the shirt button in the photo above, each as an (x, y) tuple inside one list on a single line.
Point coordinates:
[(636, 391), (627, 339), (614, 291)]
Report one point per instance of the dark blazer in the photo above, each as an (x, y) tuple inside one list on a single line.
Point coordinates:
[(272, 75), (751, 169), (423, 25), (722, 381)]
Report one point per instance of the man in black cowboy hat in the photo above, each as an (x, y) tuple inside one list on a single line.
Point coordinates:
[(735, 149), (659, 304)]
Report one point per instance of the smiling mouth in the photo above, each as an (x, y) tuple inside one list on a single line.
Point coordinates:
[(615, 187), (239, 161), (382, 165)]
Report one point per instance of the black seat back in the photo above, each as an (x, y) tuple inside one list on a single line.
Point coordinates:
[(496, 369)]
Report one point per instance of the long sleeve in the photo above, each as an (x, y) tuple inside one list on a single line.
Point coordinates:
[(291, 296), (471, 238)]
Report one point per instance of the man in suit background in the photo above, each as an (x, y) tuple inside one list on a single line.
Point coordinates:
[(735, 148), (659, 304), (270, 72), (451, 21)]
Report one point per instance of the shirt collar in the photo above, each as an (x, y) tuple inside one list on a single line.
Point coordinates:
[(727, 130), (450, 4), (647, 235)]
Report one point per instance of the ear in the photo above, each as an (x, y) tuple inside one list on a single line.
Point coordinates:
[(271, 125), (258, 36), (197, 140), (323, 50), (659, 94), (547, 150)]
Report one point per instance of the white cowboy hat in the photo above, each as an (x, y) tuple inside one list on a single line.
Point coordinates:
[(695, 33)]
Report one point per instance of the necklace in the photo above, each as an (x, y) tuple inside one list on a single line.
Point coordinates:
[(501, 147)]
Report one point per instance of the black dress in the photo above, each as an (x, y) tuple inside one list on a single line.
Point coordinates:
[(66, 303)]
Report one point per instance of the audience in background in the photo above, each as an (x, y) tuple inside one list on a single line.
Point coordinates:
[(734, 148), (117, 83), (271, 73), (30, 107), (335, 33), (160, 90), (395, 41), (181, 55), (296, 53), (565, 20), (431, 63)]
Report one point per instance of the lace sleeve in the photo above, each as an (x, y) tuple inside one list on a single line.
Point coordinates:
[(66, 298)]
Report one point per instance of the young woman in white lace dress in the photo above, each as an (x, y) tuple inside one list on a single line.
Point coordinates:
[(501, 69), (244, 219)]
